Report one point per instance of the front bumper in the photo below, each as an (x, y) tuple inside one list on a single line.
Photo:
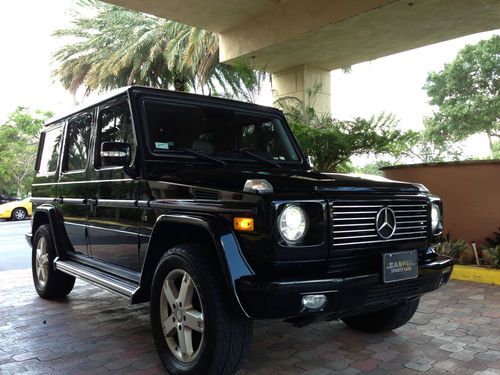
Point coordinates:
[(345, 296)]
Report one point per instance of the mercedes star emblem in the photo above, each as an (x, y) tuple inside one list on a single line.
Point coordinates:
[(385, 223)]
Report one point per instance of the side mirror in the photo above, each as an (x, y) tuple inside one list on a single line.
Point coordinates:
[(115, 154)]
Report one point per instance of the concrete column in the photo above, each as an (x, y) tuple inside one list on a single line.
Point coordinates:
[(299, 81)]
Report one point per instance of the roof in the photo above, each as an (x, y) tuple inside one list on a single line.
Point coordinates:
[(88, 104), (120, 91)]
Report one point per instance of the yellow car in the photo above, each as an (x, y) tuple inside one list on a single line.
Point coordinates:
[(17, 210)]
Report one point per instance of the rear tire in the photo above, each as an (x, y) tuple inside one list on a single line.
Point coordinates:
[(19, 214), (201, 333), (49, 283), (383, 320)]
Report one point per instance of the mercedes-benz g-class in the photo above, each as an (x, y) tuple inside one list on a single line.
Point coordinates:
[(208, 209)]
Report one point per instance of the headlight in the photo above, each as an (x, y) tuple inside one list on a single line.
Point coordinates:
[(435, 216), (292, 223)]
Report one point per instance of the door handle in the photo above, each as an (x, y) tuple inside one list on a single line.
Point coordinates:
[(92, 202), (59, 200)]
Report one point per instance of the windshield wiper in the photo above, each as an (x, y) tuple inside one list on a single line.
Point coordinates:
[(256, 156), (203, 156)]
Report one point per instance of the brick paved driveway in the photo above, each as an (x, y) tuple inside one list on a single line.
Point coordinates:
[(457, 330)]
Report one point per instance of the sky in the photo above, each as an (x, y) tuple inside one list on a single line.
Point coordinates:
[(391, 84)]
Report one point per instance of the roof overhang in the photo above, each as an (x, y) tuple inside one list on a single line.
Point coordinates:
[(275, 35)]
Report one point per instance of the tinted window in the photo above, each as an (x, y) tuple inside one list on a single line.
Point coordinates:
[(78, 138), (50, 150), (221, 132), (115, 125)]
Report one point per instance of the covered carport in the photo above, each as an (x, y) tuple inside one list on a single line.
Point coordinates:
[(300, 42)]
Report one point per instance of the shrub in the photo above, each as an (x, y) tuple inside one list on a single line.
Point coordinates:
[(459, 250), (491, 256), (495, 241)]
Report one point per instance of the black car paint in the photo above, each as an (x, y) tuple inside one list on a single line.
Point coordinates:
[(157, 193)]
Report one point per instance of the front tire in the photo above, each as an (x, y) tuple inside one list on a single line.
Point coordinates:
[(196, 331), (19, 214), (384, 320), (49, 283)]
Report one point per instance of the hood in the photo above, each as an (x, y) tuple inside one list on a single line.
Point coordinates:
[(284, 180)]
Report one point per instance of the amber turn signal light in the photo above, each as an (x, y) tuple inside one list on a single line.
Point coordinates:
[(244, 224)]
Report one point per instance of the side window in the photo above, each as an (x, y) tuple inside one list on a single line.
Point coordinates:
[(50, 151), (115, 125), (77, 138)]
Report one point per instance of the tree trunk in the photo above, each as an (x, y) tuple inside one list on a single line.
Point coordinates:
[(490, 141)]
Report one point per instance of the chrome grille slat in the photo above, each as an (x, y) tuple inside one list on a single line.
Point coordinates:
[(380, 241), (416, 227), (407, 233), (412, 222), (353, 225), (352, 218), (363, 236), (353, 221), (357, 230), (410, 211)]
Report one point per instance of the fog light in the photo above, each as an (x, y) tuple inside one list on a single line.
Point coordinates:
[(314, 301)]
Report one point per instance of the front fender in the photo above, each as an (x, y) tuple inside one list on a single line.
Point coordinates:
[(233, 264), (48, 214)]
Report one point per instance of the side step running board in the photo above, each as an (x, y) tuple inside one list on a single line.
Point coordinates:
[(103, 279)]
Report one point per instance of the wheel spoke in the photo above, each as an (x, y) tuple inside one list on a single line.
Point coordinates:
[(194, 320), (185, 336), (44, 260), (186, 291), (43, 246), (41, 274), (169, 326), (170, 291)]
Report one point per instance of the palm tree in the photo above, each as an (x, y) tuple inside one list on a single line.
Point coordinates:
[(111, 47)]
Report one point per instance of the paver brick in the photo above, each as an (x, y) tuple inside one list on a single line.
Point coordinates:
[(456, 331)]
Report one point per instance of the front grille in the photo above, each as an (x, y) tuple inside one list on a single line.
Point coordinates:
[(354, 221)]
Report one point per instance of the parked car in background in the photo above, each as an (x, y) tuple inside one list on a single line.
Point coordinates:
[(16, 210), (7, 198)]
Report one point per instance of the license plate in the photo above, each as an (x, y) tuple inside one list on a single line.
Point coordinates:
[(400, 266)]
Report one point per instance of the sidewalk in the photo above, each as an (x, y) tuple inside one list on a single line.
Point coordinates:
[(456, 330)]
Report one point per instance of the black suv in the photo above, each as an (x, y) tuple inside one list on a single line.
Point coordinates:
[(208, 209)]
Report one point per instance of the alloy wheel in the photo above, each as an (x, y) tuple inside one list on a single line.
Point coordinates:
[(181, 314), (42, 261)]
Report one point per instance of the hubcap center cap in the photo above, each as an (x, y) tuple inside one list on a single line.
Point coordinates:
[(179, 315)]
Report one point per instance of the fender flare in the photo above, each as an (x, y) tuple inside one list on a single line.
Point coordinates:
[(233, 264), (54, 223)]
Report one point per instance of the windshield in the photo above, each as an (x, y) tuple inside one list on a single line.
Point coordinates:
[(222, 133)]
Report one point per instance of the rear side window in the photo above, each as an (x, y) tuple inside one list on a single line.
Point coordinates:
[(115, 125), (78, 138), (51, 140)]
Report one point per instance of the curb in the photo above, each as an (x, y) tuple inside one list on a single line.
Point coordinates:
[(476, 274)]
